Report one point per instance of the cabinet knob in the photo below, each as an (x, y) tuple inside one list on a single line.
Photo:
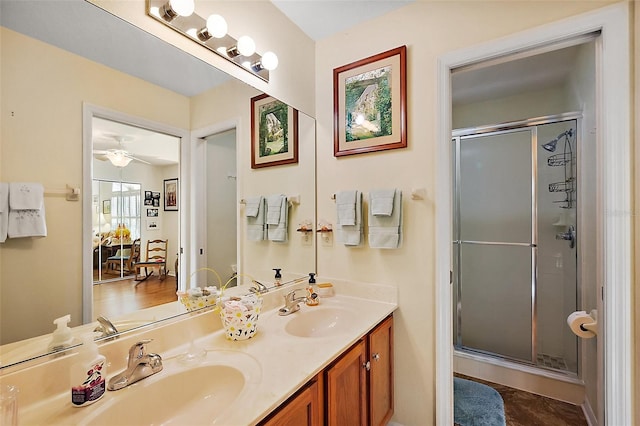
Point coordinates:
[(367, 366), (376, 356)]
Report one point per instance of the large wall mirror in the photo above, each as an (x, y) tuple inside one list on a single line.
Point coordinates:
[(67, 110)]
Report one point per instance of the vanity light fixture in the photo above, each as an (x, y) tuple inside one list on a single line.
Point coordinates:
[(211, 33)]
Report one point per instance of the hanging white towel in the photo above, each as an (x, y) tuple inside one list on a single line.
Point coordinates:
[(274, 208), (4, 211), (26, 223), (351, 235), (26, 196), (254, 212), (278, 231), (381, 201), (386, 231), (346, 205)]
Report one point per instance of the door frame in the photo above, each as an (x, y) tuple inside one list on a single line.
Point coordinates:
[(613, 111)]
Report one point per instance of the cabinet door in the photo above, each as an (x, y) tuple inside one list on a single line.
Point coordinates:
[(302, 410), (346, 383), (381, 373)]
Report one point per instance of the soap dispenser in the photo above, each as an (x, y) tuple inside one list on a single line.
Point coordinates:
[(278, 277), (312, 296), (61, 337), (88, 374)]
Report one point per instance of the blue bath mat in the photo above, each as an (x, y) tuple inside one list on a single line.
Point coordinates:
[(476, 404)]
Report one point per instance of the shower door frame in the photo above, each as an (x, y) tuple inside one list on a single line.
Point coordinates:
[(500, 129)]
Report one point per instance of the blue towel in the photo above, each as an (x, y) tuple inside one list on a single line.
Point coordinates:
[(351, 235), (386, 231)]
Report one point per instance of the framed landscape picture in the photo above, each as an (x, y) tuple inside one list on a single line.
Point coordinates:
[(274, 132), (370, 104)]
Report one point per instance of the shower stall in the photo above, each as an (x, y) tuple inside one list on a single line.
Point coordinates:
[(515, 246)]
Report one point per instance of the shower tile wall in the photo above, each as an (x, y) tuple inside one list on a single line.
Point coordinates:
[(556, 260)]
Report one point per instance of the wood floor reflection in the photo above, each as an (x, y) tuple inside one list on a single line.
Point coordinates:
[(115, 298), (527, 409)]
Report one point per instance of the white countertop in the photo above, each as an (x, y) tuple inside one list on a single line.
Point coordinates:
[(276, 363)]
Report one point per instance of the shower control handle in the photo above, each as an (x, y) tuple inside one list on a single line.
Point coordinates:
[(570, 236)]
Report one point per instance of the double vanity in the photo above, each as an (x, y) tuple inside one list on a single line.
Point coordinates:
[(301, 367)]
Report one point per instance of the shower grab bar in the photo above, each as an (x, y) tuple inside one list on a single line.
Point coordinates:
[(494, 243)]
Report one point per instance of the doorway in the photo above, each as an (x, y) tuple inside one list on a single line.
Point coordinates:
[(612, 147)]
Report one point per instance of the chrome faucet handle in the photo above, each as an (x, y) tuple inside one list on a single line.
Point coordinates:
[(138, 351), (106, 327), (259, 287)]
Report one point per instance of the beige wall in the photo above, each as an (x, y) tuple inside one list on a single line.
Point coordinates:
[(428, 29), (636, 199), (259, 257), (42, 96)]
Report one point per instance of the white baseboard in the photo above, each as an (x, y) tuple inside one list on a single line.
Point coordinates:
[(592, 420)]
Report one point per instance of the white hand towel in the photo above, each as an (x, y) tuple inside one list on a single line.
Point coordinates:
[(252, 206), (27, 223), (346, 206), (255, 224), (381, 201), (351, 235), (274, 207), (278, 232), (386, 231), (26, 196), (4, 211)]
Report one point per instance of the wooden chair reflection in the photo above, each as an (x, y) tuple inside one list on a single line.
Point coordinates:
[(125, 258), (156, 258)]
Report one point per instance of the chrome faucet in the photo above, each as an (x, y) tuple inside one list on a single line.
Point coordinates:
[(141, 365), (106, 327), (258, 288), (291, 303)]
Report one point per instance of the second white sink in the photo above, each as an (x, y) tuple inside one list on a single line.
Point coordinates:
[(319, 322)]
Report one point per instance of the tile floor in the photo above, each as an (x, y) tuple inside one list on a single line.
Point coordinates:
[(527, 409)]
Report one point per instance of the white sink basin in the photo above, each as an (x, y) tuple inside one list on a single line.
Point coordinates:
[(194, 396), (320, 322)]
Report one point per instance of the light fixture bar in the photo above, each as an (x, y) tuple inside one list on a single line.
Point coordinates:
[(191, 27)]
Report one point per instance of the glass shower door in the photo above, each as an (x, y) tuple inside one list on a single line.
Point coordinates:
[(494, 243)]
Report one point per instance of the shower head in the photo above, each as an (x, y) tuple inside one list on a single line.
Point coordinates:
[(551, 145)]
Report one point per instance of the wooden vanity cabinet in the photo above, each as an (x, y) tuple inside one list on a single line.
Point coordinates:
[(302, 409), (355, 390), (359, 385)]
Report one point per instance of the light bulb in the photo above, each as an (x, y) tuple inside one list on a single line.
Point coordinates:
[(217, 26), (270, 61), (246, 46), (183, 7)]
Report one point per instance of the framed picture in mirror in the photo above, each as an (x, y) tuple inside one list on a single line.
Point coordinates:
[(370, 104), (274, 132), (106, 206), (170, 195)]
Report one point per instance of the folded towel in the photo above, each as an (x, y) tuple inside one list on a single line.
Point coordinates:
[(386, 231), (346, 206), (274, 208), (27, 223), (278, 231), (351, 235), (255, 224), (381, 202), (26, 196), (252, 206), (4, 211)]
